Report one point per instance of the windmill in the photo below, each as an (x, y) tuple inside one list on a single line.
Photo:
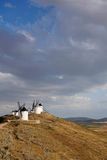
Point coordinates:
[(22, 111), (20, 107), (37, 107), (18, 111), (34, 105)]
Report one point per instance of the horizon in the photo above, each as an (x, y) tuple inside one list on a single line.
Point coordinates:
[(54, 51)]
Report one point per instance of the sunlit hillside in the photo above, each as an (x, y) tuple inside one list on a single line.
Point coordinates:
[(46, 137)]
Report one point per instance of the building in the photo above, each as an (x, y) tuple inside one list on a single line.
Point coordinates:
[(39, 109), (16, 113), (24, 114)]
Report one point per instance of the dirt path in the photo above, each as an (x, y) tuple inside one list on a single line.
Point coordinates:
[(2, 125)]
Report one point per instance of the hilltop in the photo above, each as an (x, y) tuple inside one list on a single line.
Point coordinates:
[(49, 138)]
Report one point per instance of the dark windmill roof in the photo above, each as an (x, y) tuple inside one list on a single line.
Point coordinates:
[(23, 109)]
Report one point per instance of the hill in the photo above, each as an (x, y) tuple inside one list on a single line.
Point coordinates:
[(46, 137), (102, 120), (86, 120), (81, 119)]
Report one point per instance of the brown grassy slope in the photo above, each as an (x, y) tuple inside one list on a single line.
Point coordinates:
[(99, 128), (52, 139)]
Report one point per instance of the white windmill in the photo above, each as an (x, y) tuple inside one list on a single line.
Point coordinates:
[(22, 112), (37, 108), (17, 112)]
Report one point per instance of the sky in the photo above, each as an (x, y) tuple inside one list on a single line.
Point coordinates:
[(54, 51)]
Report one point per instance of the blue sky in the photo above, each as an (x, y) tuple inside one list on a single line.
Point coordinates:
[(54, 51), (22, 12)]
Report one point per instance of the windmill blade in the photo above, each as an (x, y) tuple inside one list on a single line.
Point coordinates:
[(29, 109), (37, 103), (33, 105), (18, 103), (20, 106)]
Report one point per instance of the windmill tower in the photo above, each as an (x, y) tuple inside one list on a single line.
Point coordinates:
[(39, 109), (24, 114)]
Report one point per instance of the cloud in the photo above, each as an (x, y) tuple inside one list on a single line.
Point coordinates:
[(27, 35), (7, 77), (60, 77), (57, 57), (91, 5), (9, 5), (1, 18), (73, 101)]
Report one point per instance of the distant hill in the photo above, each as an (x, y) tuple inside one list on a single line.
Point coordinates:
[(46, 137), (102, 120), (80, 119), (86, 120)]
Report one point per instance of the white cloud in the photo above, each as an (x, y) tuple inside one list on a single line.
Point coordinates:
[(60, 77), (100, 87), (27, 35), (9, 5), (76, 105), (86, 45), (78, 101), (54, 98), (9, 79), (92, 5), (5, 76), (1, 18)]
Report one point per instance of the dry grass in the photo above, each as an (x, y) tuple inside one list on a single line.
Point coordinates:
[(52, 139)]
